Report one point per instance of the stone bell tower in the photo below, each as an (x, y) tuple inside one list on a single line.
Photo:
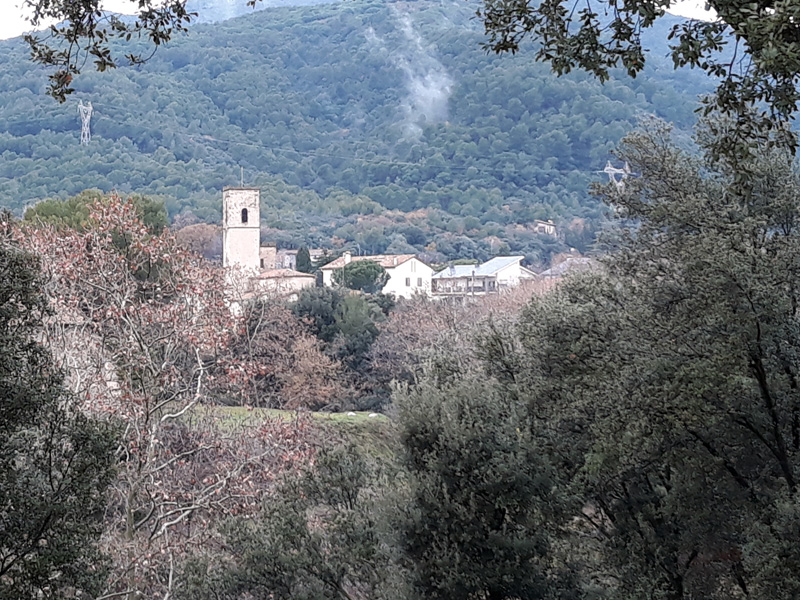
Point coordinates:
[(241, 229)]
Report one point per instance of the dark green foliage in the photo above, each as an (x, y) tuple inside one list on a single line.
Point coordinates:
[(482, 506), (55, 463), (73, 213), (346, 323), (386, 302), (666, 390), (362, 275), (153, 213), (313, 107), (304, 261), (355, 322), (712, 262), (315, 539), (600, 36), (317, 308)]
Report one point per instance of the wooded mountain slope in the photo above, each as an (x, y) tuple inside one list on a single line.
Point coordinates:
[(382, 124)]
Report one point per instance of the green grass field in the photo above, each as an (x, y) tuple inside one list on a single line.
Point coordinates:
[(373, 436)]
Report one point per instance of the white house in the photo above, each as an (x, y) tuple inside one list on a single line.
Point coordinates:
[(408, 275), (492, 277), (544, 227)]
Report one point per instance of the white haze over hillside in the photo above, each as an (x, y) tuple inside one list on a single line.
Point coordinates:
[(427, 82)]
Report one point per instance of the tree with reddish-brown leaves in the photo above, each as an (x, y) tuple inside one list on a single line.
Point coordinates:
[(418, 329), (55, 462), (275, 362), (138, 324), (202, 239)]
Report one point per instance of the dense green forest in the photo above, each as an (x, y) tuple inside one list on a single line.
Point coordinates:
[(630, 433), (385, 125)]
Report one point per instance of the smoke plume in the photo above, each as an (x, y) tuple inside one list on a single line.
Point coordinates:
[(426, 81)]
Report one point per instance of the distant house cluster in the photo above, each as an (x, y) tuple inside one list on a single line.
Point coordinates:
[(544, 228), (571, 265), (256, 270), (491, 277)]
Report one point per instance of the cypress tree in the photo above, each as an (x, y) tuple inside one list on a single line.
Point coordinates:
[(304, 261)]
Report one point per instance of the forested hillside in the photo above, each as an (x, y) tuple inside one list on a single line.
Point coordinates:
[(381, 124), (214, 11)]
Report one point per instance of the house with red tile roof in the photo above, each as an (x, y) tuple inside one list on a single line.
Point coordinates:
[(408, 275)]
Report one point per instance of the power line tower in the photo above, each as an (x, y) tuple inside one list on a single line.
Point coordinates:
[(85, 111), (612, 173)]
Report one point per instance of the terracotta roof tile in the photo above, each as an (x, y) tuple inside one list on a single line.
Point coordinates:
[(387, 261)]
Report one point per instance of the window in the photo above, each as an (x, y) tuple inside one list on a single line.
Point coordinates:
[(244, 215), (419, 281), (413, 266), (408, 281)]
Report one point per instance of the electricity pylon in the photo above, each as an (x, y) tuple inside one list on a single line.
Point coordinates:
[(86, 118), (612, 173)]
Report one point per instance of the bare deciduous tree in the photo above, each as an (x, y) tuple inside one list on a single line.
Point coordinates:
[(139, 323)]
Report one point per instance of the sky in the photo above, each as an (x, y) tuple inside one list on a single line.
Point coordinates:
[(13, 23)]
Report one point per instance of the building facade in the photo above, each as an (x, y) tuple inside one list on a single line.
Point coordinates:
[(491, 277), (252, 269), (408, 275), (544, 228), (241, 230), (280, 283)]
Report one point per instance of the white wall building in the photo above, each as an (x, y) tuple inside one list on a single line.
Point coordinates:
[(491, 277), (241, 230), (283, 283), (544, 227), (570, 266), (408, 275), (251, 269)]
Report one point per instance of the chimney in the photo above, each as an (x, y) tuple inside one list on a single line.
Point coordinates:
[(347, 257), (394, 261)]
